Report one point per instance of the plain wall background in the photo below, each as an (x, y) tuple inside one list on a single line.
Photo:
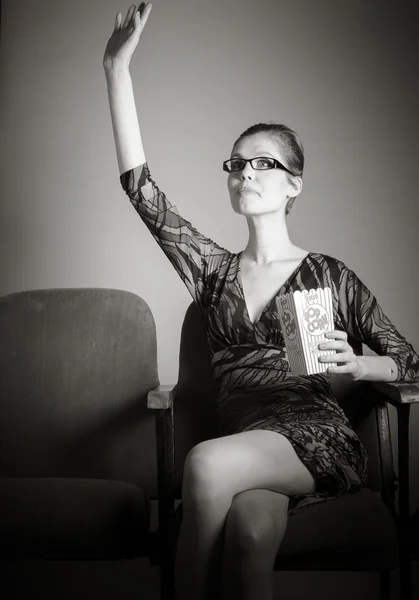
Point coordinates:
[(343, 74)]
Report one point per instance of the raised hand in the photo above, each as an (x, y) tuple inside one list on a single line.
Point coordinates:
[(125, 36)]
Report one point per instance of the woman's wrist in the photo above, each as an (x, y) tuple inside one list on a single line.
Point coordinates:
[(376, 368), (116, 69)]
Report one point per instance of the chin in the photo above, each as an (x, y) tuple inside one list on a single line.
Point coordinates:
[(240, 208), (247, 210), (253, 205)]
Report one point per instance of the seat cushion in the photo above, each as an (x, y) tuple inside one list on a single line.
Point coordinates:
[(355, 531), (72, 518)]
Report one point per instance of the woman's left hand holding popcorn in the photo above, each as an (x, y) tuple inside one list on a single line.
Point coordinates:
[(347, 362)]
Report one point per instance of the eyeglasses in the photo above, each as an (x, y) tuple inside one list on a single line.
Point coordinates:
[(261, 163)]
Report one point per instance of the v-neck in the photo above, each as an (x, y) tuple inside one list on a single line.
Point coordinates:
[(241, 287)]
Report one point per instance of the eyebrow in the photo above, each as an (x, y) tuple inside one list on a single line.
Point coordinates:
[(259, 153)]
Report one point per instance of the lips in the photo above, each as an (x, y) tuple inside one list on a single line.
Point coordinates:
[(243, 189)]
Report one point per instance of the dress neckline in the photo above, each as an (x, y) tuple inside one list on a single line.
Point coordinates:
[(241, 288)]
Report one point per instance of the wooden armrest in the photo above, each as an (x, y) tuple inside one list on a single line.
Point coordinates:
[(398, 393), (161, 397)]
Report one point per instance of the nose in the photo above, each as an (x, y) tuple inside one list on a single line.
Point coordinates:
[(247, 172)]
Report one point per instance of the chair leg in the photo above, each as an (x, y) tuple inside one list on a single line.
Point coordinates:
[(167, 587), (405, 578), (384, 585), (404, 509), (167, 569)]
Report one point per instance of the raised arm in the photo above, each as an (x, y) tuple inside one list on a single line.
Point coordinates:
[(194, 256), (116, 61)]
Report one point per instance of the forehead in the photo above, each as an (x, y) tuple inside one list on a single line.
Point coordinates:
[(257, 144)]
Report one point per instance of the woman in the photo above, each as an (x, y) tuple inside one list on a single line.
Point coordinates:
[(284, 441)]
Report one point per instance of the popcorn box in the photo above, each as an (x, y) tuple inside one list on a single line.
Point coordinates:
[(305, 317)]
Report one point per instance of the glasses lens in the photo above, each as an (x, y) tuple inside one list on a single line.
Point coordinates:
[(236, 164), (262, 163)]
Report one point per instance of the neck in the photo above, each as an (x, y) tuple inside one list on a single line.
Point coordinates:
[(268, 239)]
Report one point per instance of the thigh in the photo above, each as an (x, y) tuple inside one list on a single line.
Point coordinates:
[(251, 460)]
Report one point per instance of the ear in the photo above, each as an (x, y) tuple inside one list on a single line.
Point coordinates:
[(289, 205), (296, 185)]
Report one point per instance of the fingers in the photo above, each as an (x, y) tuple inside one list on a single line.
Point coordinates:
[(349, 369), (343, 357), (145, 12), (129, 16), (347, 362), (118, 20), (338, 335), (339, 342), (340, 346)]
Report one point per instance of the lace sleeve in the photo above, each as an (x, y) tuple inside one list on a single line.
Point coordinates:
[(193, 255), (365, 320)]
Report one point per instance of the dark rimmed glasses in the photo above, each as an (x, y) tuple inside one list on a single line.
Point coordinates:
[(261, 163)]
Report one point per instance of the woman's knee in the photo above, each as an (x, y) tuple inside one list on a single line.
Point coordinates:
[(256, 523), (203, 471)]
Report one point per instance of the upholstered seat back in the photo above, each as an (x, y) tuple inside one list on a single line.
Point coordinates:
[(195, 410), (75, 369)]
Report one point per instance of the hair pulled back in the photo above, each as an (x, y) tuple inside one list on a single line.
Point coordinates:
[(291, 148)]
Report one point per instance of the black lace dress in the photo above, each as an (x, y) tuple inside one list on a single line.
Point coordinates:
[(256, 389)]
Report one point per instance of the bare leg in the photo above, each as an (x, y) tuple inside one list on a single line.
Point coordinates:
[(254, 530), (215, 471)]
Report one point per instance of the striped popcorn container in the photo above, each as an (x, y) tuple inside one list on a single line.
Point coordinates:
[(305, 317)]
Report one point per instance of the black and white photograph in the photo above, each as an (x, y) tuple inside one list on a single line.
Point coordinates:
[(209, 339)]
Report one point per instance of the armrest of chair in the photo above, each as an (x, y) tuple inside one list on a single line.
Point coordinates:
[(161, 397), (398, 394), (161, 401)]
